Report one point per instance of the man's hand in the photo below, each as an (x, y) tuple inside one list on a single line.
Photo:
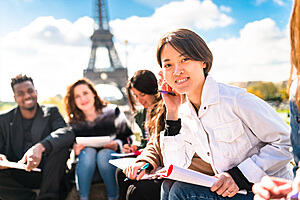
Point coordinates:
[(33, 156), (3, 158)]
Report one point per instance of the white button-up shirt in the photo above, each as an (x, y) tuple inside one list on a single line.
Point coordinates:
[(232, 128)]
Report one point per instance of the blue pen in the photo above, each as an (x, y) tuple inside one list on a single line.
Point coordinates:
[(139, 171), (295, 196), (166, 92)]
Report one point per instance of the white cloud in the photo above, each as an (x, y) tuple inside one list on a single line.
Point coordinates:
[(153, 3), (54, 52), (258, 2), (279, 2), (225, 9), (192, 14), (260, 53)]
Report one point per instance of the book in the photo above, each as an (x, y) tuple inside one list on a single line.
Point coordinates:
[(190, 176), (16, 165), (96, 141), (175, 173)]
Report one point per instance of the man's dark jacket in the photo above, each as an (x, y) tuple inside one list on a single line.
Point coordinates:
[(48, 128)]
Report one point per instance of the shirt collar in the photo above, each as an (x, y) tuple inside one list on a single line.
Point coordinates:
[(210, 93)]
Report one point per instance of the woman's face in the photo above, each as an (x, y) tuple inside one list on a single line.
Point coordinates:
[(84, 97), (146, 100), (184, 75)]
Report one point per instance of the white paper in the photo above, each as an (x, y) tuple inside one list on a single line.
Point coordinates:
[(122, 163), (191, 176), (16, 165), (136, 153), (122, 154), (98, 141)]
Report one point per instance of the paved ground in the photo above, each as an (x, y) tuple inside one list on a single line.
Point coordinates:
[(98, 192)]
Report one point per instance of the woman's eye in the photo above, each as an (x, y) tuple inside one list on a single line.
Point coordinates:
[(167, 65), (185, 59)]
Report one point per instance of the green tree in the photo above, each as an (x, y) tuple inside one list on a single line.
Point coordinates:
[(265, 90), (58, 101)]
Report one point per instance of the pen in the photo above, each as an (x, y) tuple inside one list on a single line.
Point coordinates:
[(128, 140), (295, 196), (139, 171), (166, 92)]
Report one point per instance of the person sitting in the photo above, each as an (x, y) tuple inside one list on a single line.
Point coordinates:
[(37, 136), (273, 187), (141, 88), (89, 115), (239, 135)]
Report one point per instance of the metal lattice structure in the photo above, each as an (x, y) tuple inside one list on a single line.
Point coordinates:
[(116, 74)]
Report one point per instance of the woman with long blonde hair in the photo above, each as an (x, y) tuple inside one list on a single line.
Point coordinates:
[(271, 187), (295, 84)]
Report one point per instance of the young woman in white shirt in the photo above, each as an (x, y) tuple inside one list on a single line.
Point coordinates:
[(238, 134)]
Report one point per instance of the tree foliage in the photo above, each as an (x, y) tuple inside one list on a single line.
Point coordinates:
[(268, 91)]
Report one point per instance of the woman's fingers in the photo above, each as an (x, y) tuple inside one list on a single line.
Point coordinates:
[(225, 186)]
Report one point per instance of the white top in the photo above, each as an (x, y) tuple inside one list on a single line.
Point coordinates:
[(232, 128)]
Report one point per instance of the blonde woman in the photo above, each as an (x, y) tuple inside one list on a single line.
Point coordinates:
[(271, 187)]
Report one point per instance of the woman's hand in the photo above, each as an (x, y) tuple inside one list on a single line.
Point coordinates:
[(77, 148), (296, 182), (131, 171), (172, 102), (225, 186), (128, 149), (113, 145), (159, 174), (271, 188)]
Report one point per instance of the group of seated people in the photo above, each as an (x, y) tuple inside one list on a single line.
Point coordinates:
[(193, 122)]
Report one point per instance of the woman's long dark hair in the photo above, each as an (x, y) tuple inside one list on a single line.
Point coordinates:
[(145, 82)]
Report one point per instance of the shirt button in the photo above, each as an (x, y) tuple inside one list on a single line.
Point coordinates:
[(208, 153)]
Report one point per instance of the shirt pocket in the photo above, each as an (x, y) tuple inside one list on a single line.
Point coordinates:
[(231, 140)]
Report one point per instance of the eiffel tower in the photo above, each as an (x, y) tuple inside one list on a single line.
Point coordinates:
[(116, 74)]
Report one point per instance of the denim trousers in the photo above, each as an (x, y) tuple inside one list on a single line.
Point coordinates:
[(175, 190), (295, 132), (88, 159)]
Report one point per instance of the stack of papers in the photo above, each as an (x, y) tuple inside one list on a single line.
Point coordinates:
[(98, 141)]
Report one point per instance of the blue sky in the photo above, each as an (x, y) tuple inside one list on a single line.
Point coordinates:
[(42, 37), (16, 14)]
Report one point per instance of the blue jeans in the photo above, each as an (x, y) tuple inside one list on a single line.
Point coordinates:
[(85, 170), (175, 190), (295, 134)]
